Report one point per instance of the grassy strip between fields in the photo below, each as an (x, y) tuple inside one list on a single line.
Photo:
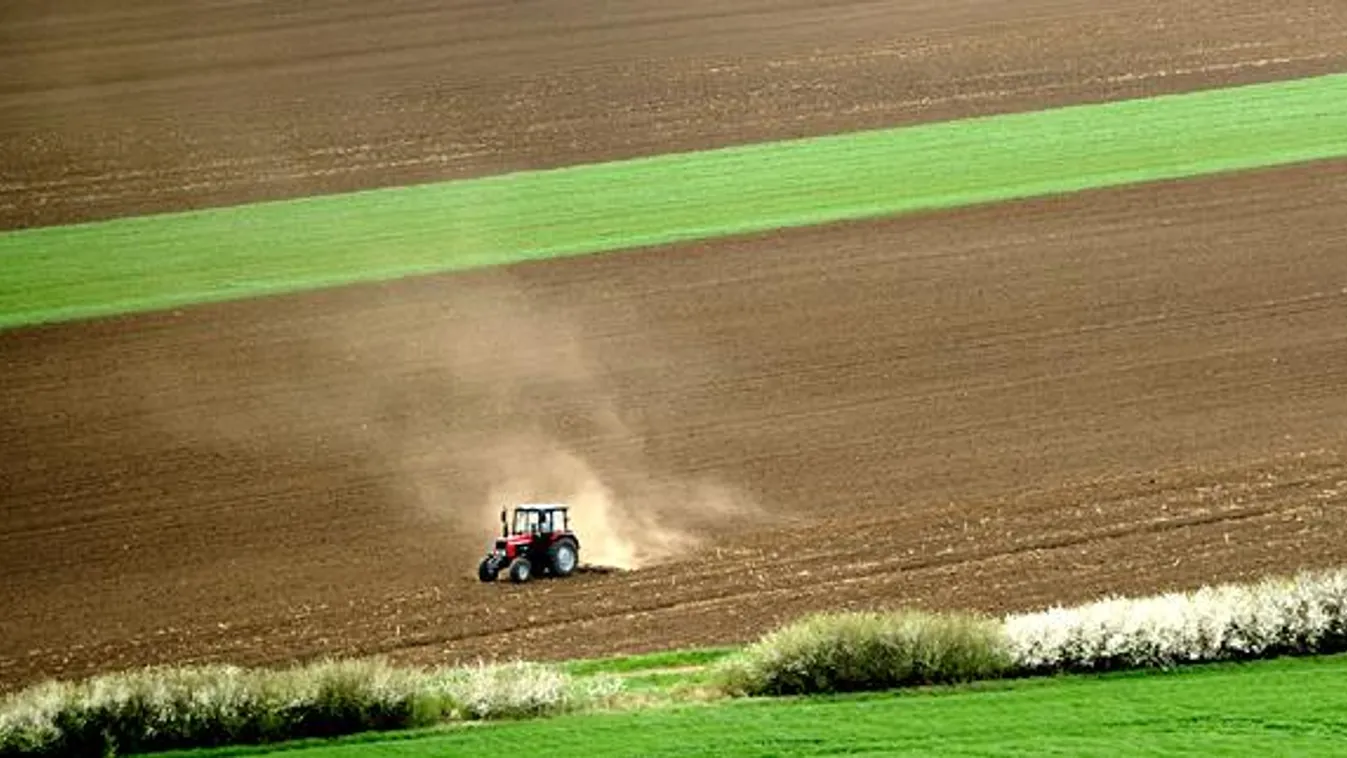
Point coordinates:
[(155, 262), (670, 660), (170, 708), (1280, 707)]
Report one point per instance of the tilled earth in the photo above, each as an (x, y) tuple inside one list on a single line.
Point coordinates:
[(993, 408)]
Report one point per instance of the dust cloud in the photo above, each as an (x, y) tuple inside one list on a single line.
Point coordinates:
[(626, 520), (538, 421), (502, 391)]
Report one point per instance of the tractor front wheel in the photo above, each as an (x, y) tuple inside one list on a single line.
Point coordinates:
[(521, 570), (487, 570)]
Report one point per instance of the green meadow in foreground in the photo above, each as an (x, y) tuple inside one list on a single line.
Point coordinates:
[(1279, 707), (153, 262)]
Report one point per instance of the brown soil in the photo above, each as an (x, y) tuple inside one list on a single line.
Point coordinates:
[(993, 408), (110, 107)]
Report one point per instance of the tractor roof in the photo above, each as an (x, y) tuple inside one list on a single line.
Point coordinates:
[(541, 507)]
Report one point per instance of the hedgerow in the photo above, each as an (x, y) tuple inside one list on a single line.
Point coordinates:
[(1301, 615), (165, 708)]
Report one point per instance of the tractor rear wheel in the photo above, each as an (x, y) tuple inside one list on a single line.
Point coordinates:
[(487, 570), (563, 557), (521, 570)]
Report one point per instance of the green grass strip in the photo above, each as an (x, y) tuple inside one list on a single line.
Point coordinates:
[(626, 664), (1283, 707), (162, 261)]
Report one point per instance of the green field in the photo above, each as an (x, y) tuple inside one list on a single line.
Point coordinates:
[(153, 262), (673, 659), (1282, 707)]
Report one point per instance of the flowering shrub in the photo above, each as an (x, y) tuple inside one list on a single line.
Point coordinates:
[(866, 651), (1302, 615), (518, 690), (166, 708)]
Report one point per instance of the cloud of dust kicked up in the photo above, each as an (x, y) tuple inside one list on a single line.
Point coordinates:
[(627, 521), (492, 391), (534, 420)]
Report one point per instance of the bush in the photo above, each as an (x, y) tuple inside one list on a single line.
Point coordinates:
[(519, 690), (831, 653), (1303, 615), (168, 708)]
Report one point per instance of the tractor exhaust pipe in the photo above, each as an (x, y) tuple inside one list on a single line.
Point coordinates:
[(504, 526)]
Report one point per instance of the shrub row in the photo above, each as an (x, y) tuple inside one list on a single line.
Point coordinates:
[(168, 708), (1302, 615), (867, 651)]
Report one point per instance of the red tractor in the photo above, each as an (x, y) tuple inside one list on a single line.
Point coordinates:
[(539, 539)]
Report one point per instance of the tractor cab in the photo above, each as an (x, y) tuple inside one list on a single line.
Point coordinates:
[(538, 519), (537, 537)]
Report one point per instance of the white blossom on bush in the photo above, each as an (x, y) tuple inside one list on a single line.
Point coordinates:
[(208, 705), (1301, 615)]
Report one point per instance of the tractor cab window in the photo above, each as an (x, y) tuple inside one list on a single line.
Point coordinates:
[(526, 522), (540, 521)]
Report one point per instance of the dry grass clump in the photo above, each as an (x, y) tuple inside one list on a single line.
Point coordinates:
[(167, 708), (1302, 615), (867, 651)]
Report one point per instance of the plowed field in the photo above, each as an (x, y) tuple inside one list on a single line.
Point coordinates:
[(992, 408)]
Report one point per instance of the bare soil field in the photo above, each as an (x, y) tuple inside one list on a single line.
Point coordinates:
[(993, 408), (114, 107)]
